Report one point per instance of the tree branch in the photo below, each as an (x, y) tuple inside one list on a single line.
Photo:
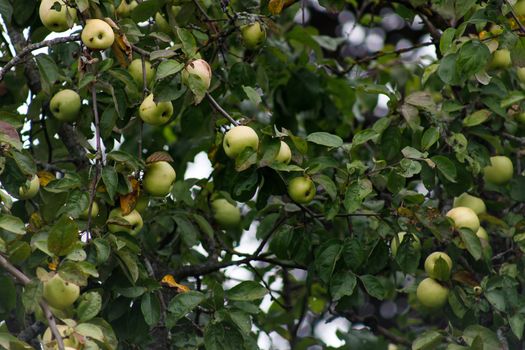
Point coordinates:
[(221, 110)]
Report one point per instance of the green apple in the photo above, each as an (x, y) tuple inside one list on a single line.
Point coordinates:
[(135, 70), (65, 105), (501, 59), (520, 117), (59, 293), (155, 113), (395, 243), (430, 265), (63, 330), (464, 217), (472, 202), (125, 9), (199, 69), (482, 234), (521, 74), (285, 154), (159, 178), (30, 188), (500, 170), (519, 8), (238, 139), (225, 214), (431, 293), (133, 219), (97, 34), (162, 24), (94, 211), (56, 21), (301, 189), (253, 35)]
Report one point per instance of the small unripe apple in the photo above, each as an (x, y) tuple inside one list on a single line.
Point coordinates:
[(464, 217), (97, 34), (430, 265), (431, 293), (155, 113), (301, 189), (500, 170), (395, 243), (520, 117), (135, 70), (239, 138), (253, 35), (56, 21), (125, 9), (472, 202), (199, 69), (65, 105), (225, 214), (519, 8), (501, 59), (521, 74), (477, 290), (29, 189), (133, 219), (159, 178), (94, 211), (285, 154), (59, 293)]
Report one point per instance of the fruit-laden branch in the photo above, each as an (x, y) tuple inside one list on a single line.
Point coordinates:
[(221, 110), (30, 48), (22, 278)]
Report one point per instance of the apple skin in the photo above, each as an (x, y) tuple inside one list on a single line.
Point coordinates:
[(521, 74), (239, 138), (472, 202), (285, 154), (416, 243), (125, 9), (520, 118), (253, 35), (431, 294), (94, 212), (225, 214), (56, 21), (155, 113), (65, 105), (301, 189), (482, 234), (199, 68), (28, 191), (59, 293), (500, 170), (501, 59), (97, 34), (430, 263), (519, 8), (159, 178), (135, 70), (464, 217), (133, 218)]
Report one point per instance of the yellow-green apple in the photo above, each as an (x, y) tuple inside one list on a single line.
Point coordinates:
[(225, 214), (431, 293), (396, 242), (63, 330), (521, 74), (301, 189), (500, 170), (60, 293), (238, 139), (133, 221), (97, 34), (125, 9), (464, 217), (285, 154), (56, 21), (159, 178), (65, 105), (472, 202), (155, 113), (29, 189), (94, 211), (253, 35), (482, 234), (199, 69), (430, 265), (501, 59), (519, 8), (135, 70)]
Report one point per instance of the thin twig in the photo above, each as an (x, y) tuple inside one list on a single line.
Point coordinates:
[(140, 51), (221, 110), (513, 13)]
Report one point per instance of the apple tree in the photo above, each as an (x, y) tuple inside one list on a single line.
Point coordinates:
[(372, 151)]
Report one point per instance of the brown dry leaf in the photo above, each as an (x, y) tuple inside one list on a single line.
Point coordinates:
[(122, 50), (159, 157), (275, 6), (45, 177), (169, 280), (9, 130), (465, 277), (128, 202)]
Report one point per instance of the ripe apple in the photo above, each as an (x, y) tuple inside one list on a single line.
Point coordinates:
[(501, 59), (430, 265), (159, 178), (133, 219), (65, 105), (162, 24), (499, 171), (94, 211), (155, 113), (225, 214), (285, 154), (395, 243), (97, 34), (464, 217), (239, 138), (56, 21), (135, 70), (199, 69), (521, 74), (472, 202), (431, 293), (301, 189), (253, 35), (125, 9), (29, 189), (60, 293)]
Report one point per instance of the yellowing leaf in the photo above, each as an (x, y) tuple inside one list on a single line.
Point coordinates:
[(128, 202), (53, 264), (45, 177), (170, 281), (275, 6)]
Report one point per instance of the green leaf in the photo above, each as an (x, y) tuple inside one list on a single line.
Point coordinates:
[(445, 167), (167, 68), (63, 236), (182, 304), (473, 57), (363, 137), (89, 306), (12, 224), (517, 186), (490, 339), (472, 243), (427, 341), (150, 306), (327, 183), (327, 258), (189, 46), (477, 118), (31, 295), (325, 139), (356, 193), (252, 94), (517, 324), (429, 138), (223, 336), (6, 10), (446, 40), (128, 263), (373, 286), (342, 284), (186, 229), (246, 291), (110, 179)]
